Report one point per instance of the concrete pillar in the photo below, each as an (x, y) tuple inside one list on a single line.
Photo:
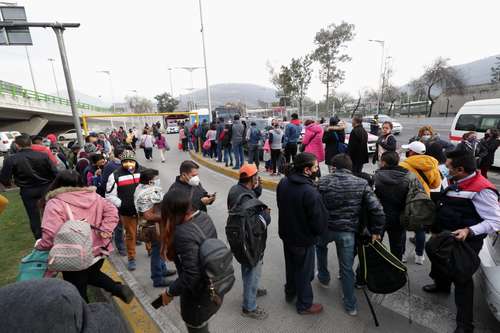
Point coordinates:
[(31, 127)]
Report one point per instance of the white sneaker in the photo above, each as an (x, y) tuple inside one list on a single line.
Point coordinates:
[(419, 260), (405, 258)]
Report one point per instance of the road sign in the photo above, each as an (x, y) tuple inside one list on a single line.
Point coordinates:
[(14, 35)]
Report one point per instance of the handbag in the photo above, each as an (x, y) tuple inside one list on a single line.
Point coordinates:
[(34, 266), (147, 231), (341, 146)]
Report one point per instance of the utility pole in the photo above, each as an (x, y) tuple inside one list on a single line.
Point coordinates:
[(209, 98), (31, 68), (51, 60), (171, 85), (382, 44)]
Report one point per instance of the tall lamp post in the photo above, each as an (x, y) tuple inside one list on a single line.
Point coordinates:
[(51, 60), (107, 72), (382, 44), (209, 98), (191, 69), (171, 85)]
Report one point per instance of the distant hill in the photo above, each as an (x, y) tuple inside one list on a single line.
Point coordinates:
[(477, 72), (246, 93), (84, 98)]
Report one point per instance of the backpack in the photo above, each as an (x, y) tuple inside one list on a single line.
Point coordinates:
[(72, 249), (33, 266), (382, 272), (246, 231), (341, 146), (207, 144), (217, 263), (420, 210)]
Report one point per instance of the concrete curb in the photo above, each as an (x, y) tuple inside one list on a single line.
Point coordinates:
[(139, 314), (266, 183)]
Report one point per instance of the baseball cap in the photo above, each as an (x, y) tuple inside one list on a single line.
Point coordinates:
[(416, 146), (248, 170)]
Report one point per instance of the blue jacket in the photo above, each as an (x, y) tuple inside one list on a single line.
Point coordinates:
[(255, 136), (292, 133)]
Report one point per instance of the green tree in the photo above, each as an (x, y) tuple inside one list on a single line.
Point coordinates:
[(301, 74), (329, 53), (166, 103), (140, 104), (282, 81), (495, 71)]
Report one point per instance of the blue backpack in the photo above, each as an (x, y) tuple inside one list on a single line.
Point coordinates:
[(33, 266), (341, 146)]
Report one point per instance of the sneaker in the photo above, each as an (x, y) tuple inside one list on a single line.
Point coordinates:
[(405, 258), (169, 272), (314, 309), (419, 260), (261, 292), (359, 285), (258, 314), (131, 266), (163, 161), (162, 283), (324, 284), (353, 313)]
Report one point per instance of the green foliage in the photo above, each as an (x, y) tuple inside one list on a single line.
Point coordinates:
[(301, 74), (166, 102), (495, 72), (282, 80)]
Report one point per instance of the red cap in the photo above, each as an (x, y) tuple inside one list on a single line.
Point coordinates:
[(248, 170)]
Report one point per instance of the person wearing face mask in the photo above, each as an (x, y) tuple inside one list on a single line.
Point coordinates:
[(489, 144), (189, 181), (428, 136), (92, 174), (147, 199), (302, 218), (120, 191), (470, 144), (385, 142), (469, 208), (345, 197)]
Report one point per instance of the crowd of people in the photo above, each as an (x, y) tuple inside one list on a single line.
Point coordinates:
[(126, 205)]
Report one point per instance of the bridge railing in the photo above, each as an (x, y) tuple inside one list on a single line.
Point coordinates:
[(18, 91)]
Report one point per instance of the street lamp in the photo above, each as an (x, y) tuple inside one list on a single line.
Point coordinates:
[(54, 74), (171, 85), (381, 43), (191, 69), (111, 93), (205, 63)]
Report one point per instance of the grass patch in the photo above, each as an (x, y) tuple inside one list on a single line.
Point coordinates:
[(16, 239)]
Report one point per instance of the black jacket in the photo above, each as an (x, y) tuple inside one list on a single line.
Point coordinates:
[(391, 188), (196, 306), (358, 145), (344, 196), (195, 192), (388, 143), (302, 214), (487, 151), (29, 169), (239, 189), (330, 140)]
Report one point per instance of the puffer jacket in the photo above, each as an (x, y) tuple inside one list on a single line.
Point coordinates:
[(344, 196), (313, 139), (428, 165), (391, 188), (84, 203)]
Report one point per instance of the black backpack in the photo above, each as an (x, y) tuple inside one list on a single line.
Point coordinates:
[(217, 263), (246, 232)]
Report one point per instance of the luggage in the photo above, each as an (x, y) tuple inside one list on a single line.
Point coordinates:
[(420, 210)]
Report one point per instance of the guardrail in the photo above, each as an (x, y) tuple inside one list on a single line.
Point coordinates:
[(18, 91)]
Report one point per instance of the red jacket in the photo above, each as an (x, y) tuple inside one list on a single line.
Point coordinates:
[(45, 150)]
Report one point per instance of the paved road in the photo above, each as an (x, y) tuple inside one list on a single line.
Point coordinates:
[(430, 313)]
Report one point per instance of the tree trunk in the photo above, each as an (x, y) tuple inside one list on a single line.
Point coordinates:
[(301, 112), (327, 101), (429, 96), (356, 108)]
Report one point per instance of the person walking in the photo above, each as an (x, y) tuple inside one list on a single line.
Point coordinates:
[(346, 197), (357, 148), (386, 141), (313, 140), (334, 140), (489, 145), (68, 194), (469, 209), (392, 183), (302, 218), (237, 134), (120, 191), (147, 199), (180, 242), (32, 172), (183, 137), (162, 145), (276, 142), (147, 143), (254, 144), (189, 181), (293, 131), (248, 188), (426, 169)]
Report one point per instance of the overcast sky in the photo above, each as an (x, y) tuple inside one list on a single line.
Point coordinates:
[(138, 40)]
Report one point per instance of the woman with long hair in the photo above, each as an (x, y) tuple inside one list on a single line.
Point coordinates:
[(181, 240), (147, 143), (68, 192)]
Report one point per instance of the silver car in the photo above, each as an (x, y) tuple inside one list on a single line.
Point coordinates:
[(397, 128), (489, 272)]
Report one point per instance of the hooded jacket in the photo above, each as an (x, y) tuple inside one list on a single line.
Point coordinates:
[(345, 196), (427, 165), (292, 132), (84, 203), (313, 140)]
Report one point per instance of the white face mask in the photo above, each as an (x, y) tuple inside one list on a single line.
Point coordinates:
[(426, 137), (194, 181)]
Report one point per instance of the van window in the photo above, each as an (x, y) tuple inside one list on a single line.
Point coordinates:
[(477, 122), (9, 136)]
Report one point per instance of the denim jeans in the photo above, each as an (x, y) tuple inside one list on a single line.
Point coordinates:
[(251, 278), (419, 242), (253, 154), (227, 155), (345, 242), (299, 266), (158, 266), (322, 256), (219, 151), (238, 155), (118, 236)]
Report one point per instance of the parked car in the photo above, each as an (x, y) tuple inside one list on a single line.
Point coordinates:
[(397, 128), (489, 272), (172, 128), (6, 139), (68, 135)]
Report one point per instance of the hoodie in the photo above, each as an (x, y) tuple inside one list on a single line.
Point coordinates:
[(426, 165), (84, 203), (292, 132), (313, 140)]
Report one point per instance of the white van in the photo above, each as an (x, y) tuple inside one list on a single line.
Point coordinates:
[(477, 116)]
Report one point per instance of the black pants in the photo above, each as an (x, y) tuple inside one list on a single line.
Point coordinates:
[(203, 329), (94, 277), (148, 153), (185, 144), (299, 265), (464, 292), (357, 166), (397, 242), (290, 152), (30, 197), (275, 156)]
